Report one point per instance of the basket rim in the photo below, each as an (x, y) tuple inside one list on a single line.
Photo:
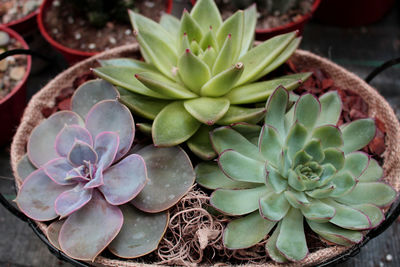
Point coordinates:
[(340, 253)]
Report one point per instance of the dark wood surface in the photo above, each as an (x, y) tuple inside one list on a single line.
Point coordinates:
[(358, 49)]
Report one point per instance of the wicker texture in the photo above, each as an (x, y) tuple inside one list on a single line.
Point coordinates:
[(378, 107)]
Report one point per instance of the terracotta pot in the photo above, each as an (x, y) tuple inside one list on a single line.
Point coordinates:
[(343, 78), (13, 104), (71, 55), (266, 33), (24, 24), (352, 13)]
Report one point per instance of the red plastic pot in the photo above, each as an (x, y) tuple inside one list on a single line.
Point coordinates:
[(25, 24), (264, 34), (13, 105), (352, 13), (71, 55)]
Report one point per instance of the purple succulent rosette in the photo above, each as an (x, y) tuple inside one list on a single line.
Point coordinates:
[(87, 178)]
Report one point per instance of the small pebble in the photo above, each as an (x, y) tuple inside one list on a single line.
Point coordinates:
[(149, 4), (17, 73), (70, 20), (389, 257), (56, 3), (28, 7), (381, 264), (92, 46), (11, 60), (78, 36), (3, 65), (128, 32), (4, 38), (112, 40), (55, 31)]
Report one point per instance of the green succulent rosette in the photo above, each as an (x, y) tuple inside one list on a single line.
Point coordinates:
[(199, 71), (302, 168)]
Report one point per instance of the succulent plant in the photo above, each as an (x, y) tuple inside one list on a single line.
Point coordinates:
[(79, 169), (198, 72), (303, 166)]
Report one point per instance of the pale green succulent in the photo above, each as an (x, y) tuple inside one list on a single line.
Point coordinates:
[(301, 166), (198, 72)]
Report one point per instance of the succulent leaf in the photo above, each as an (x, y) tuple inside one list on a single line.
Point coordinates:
[(372, 173), (143, 105), (200, 144), (291, 240), (90, 93), (357, 134), (41, 147), (170, 175), (173, 125), (67, 137), (25, 167), (170, 24), (226, 138), (279, 60), (206, 109), (233, 27), (138, 65), (246, 231), (256, 64), (250, 20), (82, 153), (129, 172), (72, 200), (274, 206), (236, 166), (222, 83), (376, 193), (206, 14), (111, 116), (260, 91), (348, 218), (331, 107), (210, 176), (140, 233), (88, 231), (53, 232), (39, 207), (193, 71), (164, 86), (237, 202), (307, 104), (329, 135), (271, 248), (241, 114), (336, 234), (124, 77), (106, 147), (276, 109)]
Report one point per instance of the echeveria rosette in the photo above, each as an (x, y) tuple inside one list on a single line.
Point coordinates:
[(88, 178), (303, 166), (199, 72)]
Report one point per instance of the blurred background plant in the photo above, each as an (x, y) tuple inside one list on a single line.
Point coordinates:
[(99, 12)]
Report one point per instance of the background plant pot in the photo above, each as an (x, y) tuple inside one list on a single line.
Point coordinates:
[(25, 24), (352, 13), (264, 34), (343, 78), (13, 104), (71, 55)]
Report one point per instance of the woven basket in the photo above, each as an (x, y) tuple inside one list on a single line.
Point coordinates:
[(378, 107)]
